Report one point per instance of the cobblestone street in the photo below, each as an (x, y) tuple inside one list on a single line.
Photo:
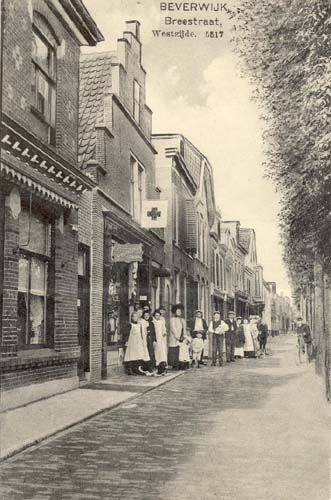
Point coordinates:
[(253, 430)]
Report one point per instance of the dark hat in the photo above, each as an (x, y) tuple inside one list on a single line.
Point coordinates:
[(162, 307), (177, 306), (299, 318), (198, 311)]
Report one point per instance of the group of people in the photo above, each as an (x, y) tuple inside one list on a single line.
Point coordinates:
[(150, 349)]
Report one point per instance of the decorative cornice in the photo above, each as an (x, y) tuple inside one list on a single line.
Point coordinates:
[(26, 148)]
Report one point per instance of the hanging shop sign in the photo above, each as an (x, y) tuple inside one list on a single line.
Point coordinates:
[(128, 252)]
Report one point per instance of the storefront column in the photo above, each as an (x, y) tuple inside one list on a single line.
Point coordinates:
[(11, 213)]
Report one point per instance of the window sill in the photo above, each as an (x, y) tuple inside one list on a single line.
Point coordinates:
[(39, 115)]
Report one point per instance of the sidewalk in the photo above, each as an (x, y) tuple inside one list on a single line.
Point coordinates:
[(30, 424)]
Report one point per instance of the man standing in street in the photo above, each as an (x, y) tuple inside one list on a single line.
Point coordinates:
[(263, 336), (230, 337), (304, 330)]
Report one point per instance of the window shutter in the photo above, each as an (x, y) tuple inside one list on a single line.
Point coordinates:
[(190, 240)]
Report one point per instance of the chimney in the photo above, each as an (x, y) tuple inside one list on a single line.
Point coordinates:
[(134, 28)]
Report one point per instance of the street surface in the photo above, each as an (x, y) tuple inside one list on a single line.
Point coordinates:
[(252, 430)]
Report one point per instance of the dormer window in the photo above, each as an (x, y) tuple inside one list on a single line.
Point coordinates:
[(136, 101), (43, 78)]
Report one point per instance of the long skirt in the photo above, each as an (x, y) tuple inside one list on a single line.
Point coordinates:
[(249, 343), (173, 357), (239, 351)]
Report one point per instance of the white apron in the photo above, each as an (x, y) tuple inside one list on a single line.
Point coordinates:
[(136, 349), (161, 341)]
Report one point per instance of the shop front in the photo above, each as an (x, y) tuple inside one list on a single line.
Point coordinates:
[(40, 352), (241, 304), (129, 279)]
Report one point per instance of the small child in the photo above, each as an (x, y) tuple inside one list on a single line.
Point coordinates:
[(184, 353), (197, 348)]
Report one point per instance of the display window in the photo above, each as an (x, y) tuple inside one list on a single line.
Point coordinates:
[(35, 266)]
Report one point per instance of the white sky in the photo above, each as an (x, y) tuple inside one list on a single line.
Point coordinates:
[(193, 87)]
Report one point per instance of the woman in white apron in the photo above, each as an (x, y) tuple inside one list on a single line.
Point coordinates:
[(249, 343), (136, 351)]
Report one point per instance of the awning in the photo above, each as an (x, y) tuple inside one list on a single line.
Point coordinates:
[(41, 191)]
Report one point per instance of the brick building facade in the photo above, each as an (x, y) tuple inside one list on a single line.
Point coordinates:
[(40, 188), (187, 182), (115, 149)]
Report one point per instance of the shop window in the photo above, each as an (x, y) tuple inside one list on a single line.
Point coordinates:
[(136, 101), (43, 78), (34, 287)]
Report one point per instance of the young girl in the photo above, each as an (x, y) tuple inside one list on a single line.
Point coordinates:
[(197, 348), (184, 353)]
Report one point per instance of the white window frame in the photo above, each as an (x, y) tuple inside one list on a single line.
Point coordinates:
[(138, 187), (48, 115)]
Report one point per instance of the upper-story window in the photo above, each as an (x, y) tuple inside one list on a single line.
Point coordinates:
[(137, 188), (175, 212), (43, 78), (181, 148), (222, 284), (202, 238), (257, 284), (136, 101), (217, 271)]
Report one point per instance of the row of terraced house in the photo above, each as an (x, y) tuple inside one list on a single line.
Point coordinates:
[(97, 212)]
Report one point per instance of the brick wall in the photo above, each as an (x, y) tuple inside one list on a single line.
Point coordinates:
[(36, 375), (84, 218), (18, 67), (118, 149), (96, 309), (2, 236), (10, 284), (66, 284)]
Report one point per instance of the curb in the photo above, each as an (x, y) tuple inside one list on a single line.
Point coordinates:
[(38, 441)]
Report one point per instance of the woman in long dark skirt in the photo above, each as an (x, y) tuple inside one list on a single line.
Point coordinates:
[(148, 329)]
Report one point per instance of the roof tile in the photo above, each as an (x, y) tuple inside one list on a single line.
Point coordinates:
[(95, 78)]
